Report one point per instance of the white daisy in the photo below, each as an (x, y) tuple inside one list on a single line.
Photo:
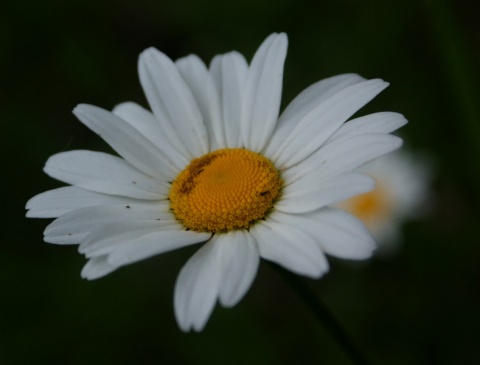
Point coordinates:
[(213, 163), (401, 193)]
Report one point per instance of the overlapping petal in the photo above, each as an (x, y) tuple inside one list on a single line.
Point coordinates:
[(239, 258), (263, 92), (337, 233), (197, 287), (96, 268), (306, 101), (74, 226), (342, 155), (229, 72), (103, 173), (146, 123), (319, 123), (103, 239), (172, 103), (376, 123), (307, 194), (201, 84), (56, 202), (128, 141), (223, 269), (155, 243), (290, 248)]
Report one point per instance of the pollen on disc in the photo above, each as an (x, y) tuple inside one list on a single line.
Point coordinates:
[(369, 207), (224, 190)]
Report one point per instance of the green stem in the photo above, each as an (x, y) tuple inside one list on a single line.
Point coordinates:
[(323, 314)]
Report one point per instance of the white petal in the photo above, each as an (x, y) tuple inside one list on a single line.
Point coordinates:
[(306, 101), (85, 220), (102, 239), (152, 244), (172, 102), (200, 82), (197, 288), (96, 268), (323, 120), (338, 233), (343, 155), (129, 142), (378, 123), (239, 259), (290, 248), (309, 194), (146, 123), (316, 94), (263, 92), (54, 203), (229, 73), (104, 173), (68, 239), (138, 117)]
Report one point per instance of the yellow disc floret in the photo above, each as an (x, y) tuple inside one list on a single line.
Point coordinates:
[(370, 207), (224, 190)]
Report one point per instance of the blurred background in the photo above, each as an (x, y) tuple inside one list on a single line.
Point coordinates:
[(417, 306)]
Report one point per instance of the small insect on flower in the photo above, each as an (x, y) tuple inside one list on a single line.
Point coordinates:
[(214, 164)]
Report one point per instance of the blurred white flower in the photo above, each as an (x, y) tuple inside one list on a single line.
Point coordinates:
[(213, 163), (401, 193)]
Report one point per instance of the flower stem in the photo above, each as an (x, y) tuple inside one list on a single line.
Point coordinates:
[(323, 314)]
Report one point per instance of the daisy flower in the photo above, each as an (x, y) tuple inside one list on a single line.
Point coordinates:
[(401, 193), (214, 164)]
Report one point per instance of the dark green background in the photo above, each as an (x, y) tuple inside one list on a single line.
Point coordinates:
[(419, 307)]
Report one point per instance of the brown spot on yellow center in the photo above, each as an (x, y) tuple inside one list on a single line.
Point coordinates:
[(224, 190)]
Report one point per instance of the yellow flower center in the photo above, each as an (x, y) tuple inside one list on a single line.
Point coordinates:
[(224, 190), (370, 207)]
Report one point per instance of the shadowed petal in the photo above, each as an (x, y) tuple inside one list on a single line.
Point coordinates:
[(337, 232), (103, 239), (104, 173), (172, 103), (57, 202), (96, 268), (306, 101), (153, 244), (310, 194), (316, 126), (200, 82), (342, 155), (128, 141), (290, 248), (146, 123), (229, 72), (240, 258), (197, 287), (69, 227), (376, 123), (263, 92)]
